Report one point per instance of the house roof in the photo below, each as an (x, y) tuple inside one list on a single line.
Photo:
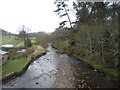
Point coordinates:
[(10, 46), (22, 51), (3, 52)]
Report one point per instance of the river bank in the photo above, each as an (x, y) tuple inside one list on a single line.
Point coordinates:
[(23, 68), (113, 78), (55, 70)]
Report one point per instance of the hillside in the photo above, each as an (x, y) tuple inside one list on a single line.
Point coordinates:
[(3, 32)]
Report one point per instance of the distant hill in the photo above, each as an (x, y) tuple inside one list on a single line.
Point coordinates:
[(3, 32), (33, 34)]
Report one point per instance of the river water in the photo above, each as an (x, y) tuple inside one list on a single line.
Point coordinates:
[(55, 70)]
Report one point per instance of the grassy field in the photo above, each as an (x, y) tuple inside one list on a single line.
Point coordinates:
[(11, 40), (6, 39)]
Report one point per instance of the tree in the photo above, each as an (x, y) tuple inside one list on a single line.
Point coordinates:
[(60, 7), (23, 34), (43, 38), (97, 31), (28, 43), (114, 14)]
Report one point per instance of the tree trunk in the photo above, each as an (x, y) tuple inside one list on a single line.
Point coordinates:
[(68, 17), (102, 51), (90, 42), (72, 41), (117, 51)]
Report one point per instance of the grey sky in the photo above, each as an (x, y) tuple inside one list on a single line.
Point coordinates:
[(38, 15)]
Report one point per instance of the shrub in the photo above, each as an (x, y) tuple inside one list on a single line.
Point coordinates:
[(28, 43)]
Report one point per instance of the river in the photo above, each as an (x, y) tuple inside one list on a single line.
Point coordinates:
[(55, 70)]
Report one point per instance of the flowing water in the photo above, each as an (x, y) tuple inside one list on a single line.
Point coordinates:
[(55, 70)]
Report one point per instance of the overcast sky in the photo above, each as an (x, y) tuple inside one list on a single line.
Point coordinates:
[(38, 15)]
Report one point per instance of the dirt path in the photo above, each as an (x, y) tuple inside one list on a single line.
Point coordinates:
[(55, 70)]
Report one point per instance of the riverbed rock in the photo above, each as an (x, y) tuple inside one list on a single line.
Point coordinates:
[(37, 83)]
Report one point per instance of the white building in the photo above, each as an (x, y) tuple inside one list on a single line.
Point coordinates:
[(3, 57), (10, 46)]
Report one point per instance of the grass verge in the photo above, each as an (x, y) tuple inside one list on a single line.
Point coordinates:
[(93, 62), (13, 66), (38, 51), (97, 65), (18, 64)]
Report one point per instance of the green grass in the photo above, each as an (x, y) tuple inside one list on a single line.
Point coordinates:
[(93, 62), (21, 44), (6, 39), (10, 40), (98, 65), (18, 64), (61, 45), (13, 66), (38, 50), (33, 40)]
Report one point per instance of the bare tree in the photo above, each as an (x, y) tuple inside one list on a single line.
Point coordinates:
[(23, 34)]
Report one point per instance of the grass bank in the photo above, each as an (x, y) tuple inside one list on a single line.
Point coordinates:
[(89, 60), (17, 65), (98, 65), (13, 66)]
